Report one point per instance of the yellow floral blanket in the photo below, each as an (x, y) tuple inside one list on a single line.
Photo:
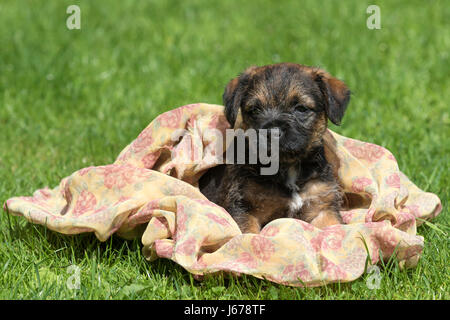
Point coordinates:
[(151, 192)]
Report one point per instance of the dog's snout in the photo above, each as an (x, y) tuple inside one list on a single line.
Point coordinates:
[(274, 126)]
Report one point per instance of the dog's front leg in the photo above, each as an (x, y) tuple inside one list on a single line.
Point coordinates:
[(321, 203), (325, 219), (248, 223)]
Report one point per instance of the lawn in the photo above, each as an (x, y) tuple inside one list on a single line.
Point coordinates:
[(74, 98)]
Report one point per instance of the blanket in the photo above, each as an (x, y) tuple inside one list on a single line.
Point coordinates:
[(151, 191)]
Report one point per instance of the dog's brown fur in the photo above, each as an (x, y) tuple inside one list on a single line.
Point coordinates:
[(299, 100)]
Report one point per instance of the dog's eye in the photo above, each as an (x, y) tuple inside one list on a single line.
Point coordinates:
[(300, 108), (252, 110)]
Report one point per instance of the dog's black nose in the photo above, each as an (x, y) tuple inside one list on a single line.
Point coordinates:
[(273, 126)]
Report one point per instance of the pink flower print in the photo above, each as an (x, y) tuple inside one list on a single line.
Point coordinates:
[(355, 261), (181, 222), (124, 155), (393, 181), (389, 199), (305, 225), (190, 123), (86, 201), (405, 220), (329, 239), (333, 240), (121, 199), (388, 241), (374, 250), (188, 247), (83, 171), (262, 247), (218, 122), (117, 176), (391, 157), (42, 195), (150, 159), (171, 119), (373, 152), (414, 209), (297, 271), (160, 223), (364, 151), (143, 141), (163, 249), (334, 271), (206, 202), (217, 219), (369, 215), (347, 216), (30, 199), (359, 184), (200, 264), (247, 260), (412, 251), (270, 231), (229, 265), (189, 108)]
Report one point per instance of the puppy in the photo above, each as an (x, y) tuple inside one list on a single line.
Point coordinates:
[(298, 101)]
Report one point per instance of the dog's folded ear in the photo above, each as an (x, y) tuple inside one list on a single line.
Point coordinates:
[(228, 101), (336, 93), (233, 95)]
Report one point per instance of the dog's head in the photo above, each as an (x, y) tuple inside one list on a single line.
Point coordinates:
[(294, 98)]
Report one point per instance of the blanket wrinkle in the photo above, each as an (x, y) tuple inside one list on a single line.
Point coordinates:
[(151, 192)]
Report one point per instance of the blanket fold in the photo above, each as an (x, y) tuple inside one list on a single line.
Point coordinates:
[(151, 192)]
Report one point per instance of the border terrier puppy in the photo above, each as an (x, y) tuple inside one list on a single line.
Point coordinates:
[(297, 101)]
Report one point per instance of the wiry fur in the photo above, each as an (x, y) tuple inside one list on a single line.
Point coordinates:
[(298, 100)]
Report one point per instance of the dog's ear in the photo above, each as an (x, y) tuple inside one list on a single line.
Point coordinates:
[(231, 110), (233, 95), (336, 93)]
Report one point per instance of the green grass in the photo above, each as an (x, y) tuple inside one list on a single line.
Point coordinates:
[(70, 99)]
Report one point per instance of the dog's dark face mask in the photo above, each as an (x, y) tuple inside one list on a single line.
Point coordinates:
[(294, 99)]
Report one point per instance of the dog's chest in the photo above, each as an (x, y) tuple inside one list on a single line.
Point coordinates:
[(296, 201), (269, 204), (270, 201), (295, 204)]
